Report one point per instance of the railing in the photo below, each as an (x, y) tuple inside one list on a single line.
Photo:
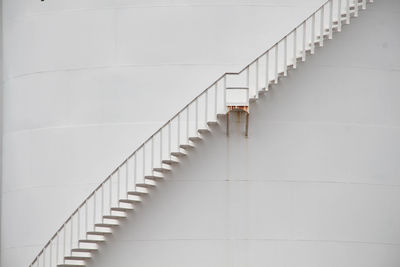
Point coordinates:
[(254, 78)]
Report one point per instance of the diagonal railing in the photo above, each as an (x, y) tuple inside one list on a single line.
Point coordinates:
[(139, 171)]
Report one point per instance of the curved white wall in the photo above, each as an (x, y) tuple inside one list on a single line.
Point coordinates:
[(86, 81), (317, 183)]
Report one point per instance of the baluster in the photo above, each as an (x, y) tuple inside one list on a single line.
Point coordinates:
[(72, 231), (197, 115), (44, 257), (51, 252), (86, 217), (110, 193), (152, 153), (57, 247), (330, 18), (94, 210), (216, 100), (169, 139), (285, 56), (364, 6), (347, 11), (102, 201), (225, 93), (144, 157), (127, 177), (247, 78), (206, 108), (161, 147), (322, 27), (313, 34), (355, 8), (187, 123), (267, 71), (256, 89), (135, 170), (276, 62), (294, 48), (339, 15), (178, 138), (78, 227), (64, 241), (119, 182), (304, 41)]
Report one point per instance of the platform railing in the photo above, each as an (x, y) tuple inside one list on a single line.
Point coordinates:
[(147, 160)]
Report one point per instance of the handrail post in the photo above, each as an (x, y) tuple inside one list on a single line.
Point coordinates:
[(256, 83), (161, 147), (313, 34), (347, 11), (216, 100), (178, 138), (330, 19), (225, 91), (304, 40), (295, 48), (285, 56), (267, 71), (276, 62), (355, 8), (339, 15), (322, 27)]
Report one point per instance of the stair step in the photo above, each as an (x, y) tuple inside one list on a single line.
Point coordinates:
[(122, 209), (178, 154), (153, 177), (99, 233), (186, 146), (86, 250), (253, 99), (204, 131), (146, 185), (129, 201), (212, 123), (160, 169), (170, 161), (114, 217), (194, 138), (137, 193), (70, 265), (91, 241), (106, 225), (77, 258)]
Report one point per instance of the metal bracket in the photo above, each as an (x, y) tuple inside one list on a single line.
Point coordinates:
[(244, 109)]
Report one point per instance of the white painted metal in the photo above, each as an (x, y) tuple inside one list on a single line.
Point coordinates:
[(114, 198)]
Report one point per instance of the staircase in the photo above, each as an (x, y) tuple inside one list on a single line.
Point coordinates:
[(112, 201)]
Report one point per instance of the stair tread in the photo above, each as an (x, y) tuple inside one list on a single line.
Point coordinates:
[(160, 169), (84, 250), (137, 193), (70, 265), (153, 177), (178, 154), (77, 258), (145, 185), (114, 217), (186, 146), (130, 201), (204, 131), (92, 241), (107, 225), (122, 209), (211, 123), (98, 233), (170, 161)]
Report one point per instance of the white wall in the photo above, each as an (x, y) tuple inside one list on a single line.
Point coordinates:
[(317, 183), (87, 81)]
